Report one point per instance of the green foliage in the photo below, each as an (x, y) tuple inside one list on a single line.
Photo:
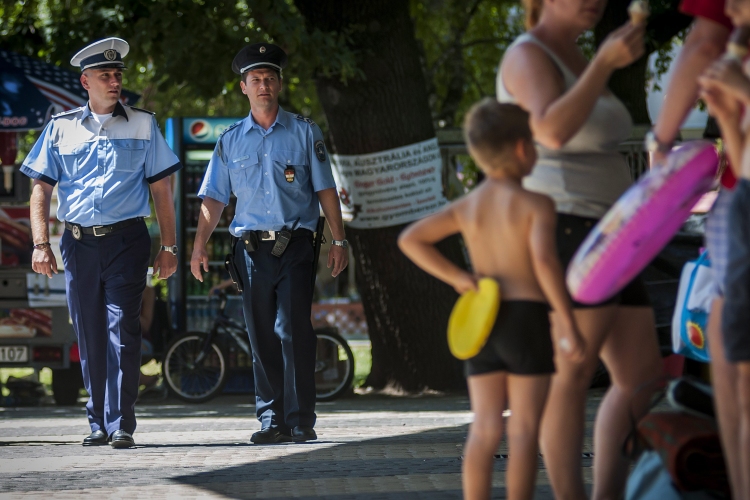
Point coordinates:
[(462, 44), (181, 50), (469, 175)]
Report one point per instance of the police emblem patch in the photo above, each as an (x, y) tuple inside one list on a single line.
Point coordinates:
[(77, 232), (289, 174), (262, 50), (110, 54), (320, 150)]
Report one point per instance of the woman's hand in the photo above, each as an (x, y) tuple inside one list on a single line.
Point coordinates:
[(722, 105), (726, 76), (622, 47)]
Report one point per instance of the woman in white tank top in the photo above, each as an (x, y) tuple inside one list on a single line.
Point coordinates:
[(577, 124)]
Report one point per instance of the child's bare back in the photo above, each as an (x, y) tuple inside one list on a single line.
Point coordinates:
[(496, 222), (510, 235)]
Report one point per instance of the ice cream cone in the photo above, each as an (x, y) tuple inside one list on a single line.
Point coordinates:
[(639, 12), (737, 48)]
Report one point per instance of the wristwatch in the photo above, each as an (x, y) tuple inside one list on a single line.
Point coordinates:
[(172, 249), (652, 144), (340, 243)]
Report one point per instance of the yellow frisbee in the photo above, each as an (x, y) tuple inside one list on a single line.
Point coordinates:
[(472, 319)]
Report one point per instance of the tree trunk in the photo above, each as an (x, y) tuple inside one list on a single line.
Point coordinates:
[(407, 310)]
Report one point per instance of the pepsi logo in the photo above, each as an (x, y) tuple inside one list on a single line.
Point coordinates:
[(200, 130)]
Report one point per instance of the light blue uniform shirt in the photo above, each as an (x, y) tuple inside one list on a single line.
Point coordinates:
[(102, 170), (275, 174)]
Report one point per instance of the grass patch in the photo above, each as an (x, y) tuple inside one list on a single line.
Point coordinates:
[(362, 361), (45, 377), (360, 348)]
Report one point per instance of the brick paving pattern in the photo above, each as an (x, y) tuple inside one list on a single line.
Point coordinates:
[(369, 447)]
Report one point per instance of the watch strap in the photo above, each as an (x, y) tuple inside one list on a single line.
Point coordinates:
[(652, 144)]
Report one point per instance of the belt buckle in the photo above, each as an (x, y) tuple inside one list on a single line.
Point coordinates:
[(94, 228), (268, 235)]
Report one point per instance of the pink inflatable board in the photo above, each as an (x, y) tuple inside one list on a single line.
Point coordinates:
[(641, 223)]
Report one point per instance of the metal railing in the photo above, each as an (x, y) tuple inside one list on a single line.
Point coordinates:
[(635, 157)]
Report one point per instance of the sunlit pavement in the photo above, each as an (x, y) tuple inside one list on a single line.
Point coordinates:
[(369, 447)]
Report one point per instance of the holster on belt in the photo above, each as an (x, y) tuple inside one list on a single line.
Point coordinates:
[(231, 267)]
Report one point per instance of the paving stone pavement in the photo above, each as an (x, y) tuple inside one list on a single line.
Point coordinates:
[(369, 447)]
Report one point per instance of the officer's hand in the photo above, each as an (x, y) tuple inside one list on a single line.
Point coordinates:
[(338, 257), (200, 256), (165, 264), (43, 261)]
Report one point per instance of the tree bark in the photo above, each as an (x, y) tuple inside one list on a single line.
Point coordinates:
[(407, 310)]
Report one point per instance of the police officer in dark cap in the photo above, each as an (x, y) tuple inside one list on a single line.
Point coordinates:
[(104, 157), (276, 164)]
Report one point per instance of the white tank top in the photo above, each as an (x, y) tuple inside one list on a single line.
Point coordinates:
[(587, 175)]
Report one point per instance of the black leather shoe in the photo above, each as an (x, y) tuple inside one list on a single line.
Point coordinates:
[(96, 438), (121, 439), (304, 433), (270, 435)]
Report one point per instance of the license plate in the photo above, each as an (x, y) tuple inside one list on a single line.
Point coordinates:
[(14, 353)]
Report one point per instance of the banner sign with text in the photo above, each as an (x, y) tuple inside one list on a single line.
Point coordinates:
[(390, 187)]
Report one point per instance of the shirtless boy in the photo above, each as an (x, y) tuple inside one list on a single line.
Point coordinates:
[(510, 235)]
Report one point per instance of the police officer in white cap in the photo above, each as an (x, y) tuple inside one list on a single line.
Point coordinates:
[(277, 165), (104, 157)]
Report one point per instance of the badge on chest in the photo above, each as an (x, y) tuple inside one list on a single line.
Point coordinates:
[(289, 174)]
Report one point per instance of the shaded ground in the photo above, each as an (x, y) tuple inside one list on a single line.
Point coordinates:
[(369, 447)]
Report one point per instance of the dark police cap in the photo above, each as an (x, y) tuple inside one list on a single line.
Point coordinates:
[(257, 56)]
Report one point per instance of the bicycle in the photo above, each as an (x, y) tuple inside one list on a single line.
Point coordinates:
[(195, 364)]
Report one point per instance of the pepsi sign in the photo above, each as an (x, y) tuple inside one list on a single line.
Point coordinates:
[(205, 130)]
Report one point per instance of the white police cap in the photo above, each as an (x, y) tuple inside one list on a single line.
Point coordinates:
[(107, 53)]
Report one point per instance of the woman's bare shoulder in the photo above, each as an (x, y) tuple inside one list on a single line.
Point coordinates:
[(528, 59), (531, 76)]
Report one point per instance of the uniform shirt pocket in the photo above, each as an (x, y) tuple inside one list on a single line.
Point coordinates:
[(244, 171), (74, 157), (290, 169), (129, 154)]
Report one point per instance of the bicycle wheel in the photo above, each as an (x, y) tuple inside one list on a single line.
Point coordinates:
[(191, 381), (334, 365)]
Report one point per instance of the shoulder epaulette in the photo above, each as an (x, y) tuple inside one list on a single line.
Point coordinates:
[(219, 145), (64, 113), (142, 110), (234, 125), (304, 119)]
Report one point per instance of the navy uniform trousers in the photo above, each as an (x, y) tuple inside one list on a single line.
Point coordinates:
[(105, 278), (277, 302)]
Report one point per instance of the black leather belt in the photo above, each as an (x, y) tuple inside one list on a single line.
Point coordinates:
[(271, 235), (79, 230)]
